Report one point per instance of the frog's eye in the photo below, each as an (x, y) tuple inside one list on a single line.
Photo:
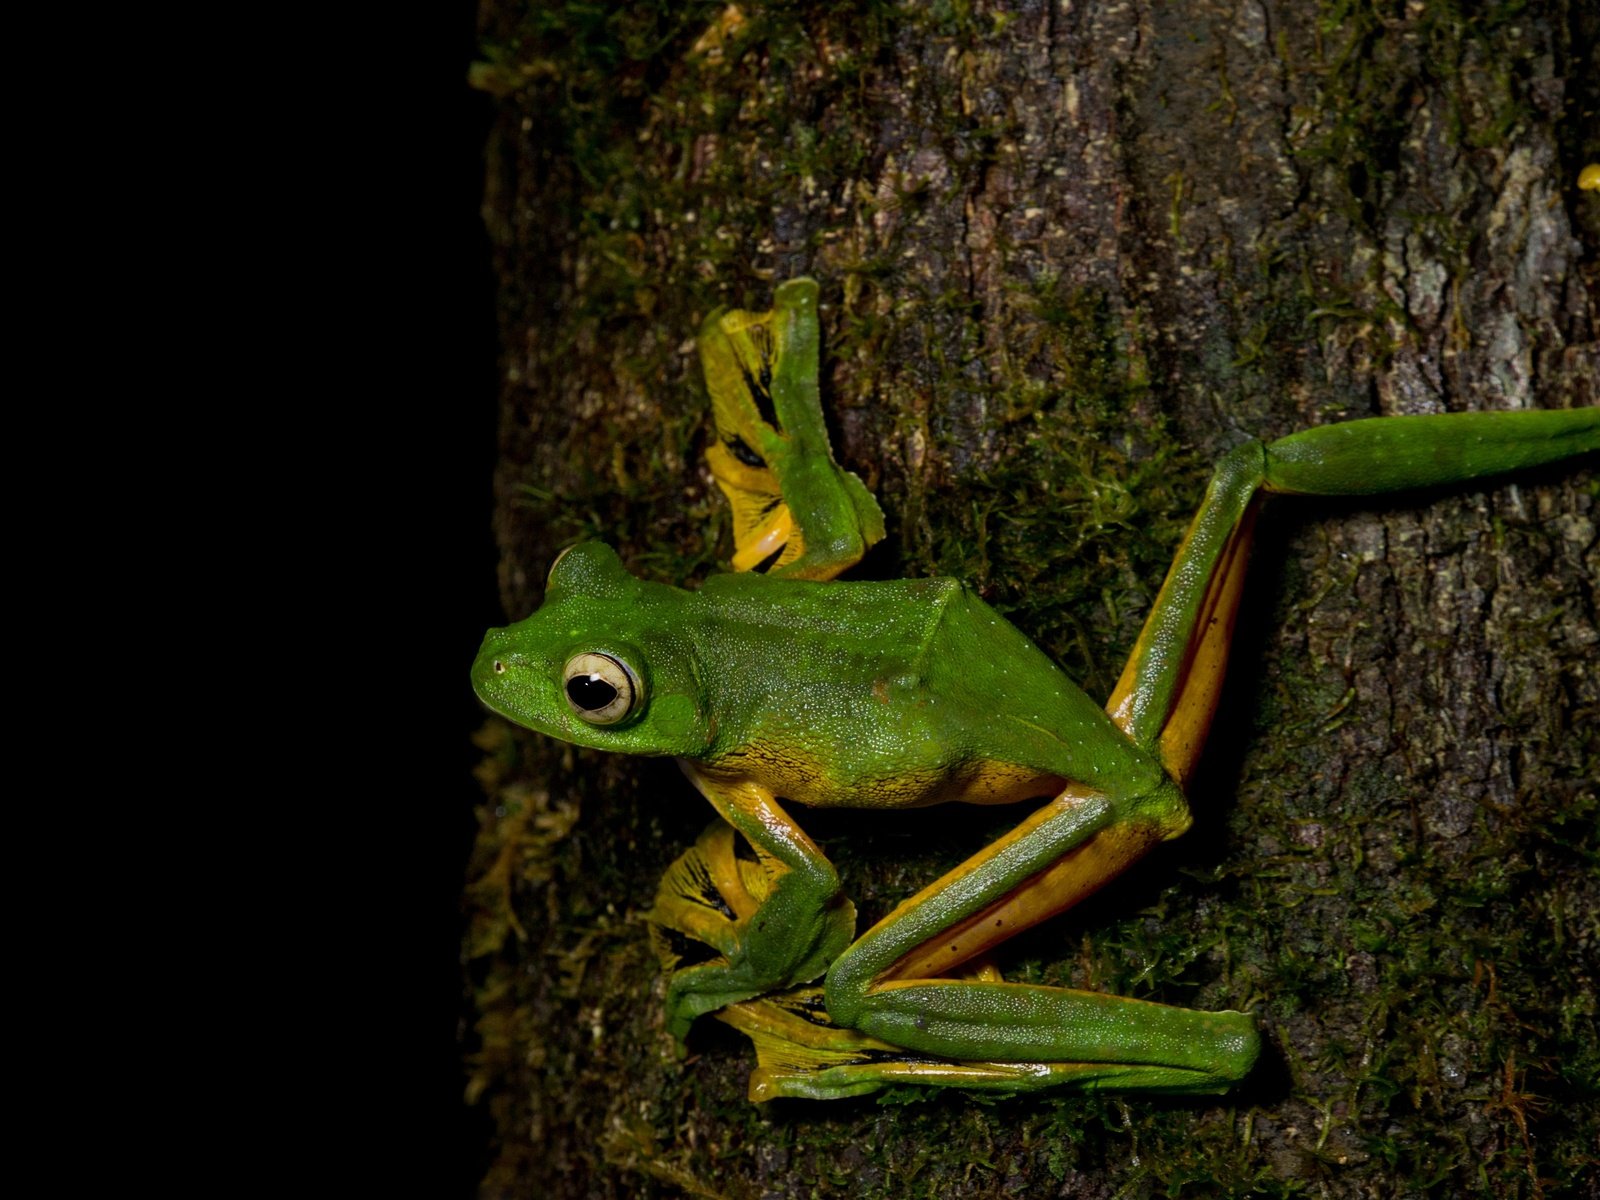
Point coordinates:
[(602, 690)]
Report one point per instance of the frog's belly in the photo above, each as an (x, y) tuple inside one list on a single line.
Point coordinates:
[(792, 777)]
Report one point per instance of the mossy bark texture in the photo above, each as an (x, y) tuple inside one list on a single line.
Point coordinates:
[(1069, 254)]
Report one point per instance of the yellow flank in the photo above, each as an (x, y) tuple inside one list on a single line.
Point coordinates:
[(990, 781), (795, 775), (784, 770), (1589, 178)]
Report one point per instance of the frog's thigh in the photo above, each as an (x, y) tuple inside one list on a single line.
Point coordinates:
[(887, 985)]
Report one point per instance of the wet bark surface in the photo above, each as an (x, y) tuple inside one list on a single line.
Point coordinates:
[(1069, 254)]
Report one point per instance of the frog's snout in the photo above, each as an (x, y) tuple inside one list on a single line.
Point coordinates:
[(492, 653), (493, 660)]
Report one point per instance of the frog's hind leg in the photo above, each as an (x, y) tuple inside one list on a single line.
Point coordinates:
[(894, 983), (1169, 688), (800, 1051)]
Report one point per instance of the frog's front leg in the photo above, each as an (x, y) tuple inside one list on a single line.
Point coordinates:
[(788, 935)]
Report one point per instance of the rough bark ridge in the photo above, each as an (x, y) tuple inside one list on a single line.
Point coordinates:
[(1070, 253)]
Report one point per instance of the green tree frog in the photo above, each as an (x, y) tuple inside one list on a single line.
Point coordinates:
[(776, 684)]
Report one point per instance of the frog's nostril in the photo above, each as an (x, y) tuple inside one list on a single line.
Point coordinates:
[(499, 667)]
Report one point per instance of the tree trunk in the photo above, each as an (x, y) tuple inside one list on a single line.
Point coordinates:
[(1069, 254)]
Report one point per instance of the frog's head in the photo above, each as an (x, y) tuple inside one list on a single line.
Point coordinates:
[(602, 663)]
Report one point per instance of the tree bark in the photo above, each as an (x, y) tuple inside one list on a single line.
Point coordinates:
[(1069, 254)]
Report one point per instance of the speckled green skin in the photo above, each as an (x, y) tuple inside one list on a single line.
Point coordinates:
[(853, 688)]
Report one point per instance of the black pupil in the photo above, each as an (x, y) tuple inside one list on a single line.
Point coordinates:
[(590, 692)]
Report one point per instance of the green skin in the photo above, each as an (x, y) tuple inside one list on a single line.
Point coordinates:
[(900, 694)]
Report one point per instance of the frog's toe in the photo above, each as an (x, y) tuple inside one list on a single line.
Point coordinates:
[(698, 927), (695, 991), (705, 897), (714, 951)]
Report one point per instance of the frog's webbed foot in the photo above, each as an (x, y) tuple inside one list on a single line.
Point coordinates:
[(796, 512), (801, 1053), (704, 898), (714, 897)]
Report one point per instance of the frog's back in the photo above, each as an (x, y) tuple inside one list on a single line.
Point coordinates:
[(888, 694)]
